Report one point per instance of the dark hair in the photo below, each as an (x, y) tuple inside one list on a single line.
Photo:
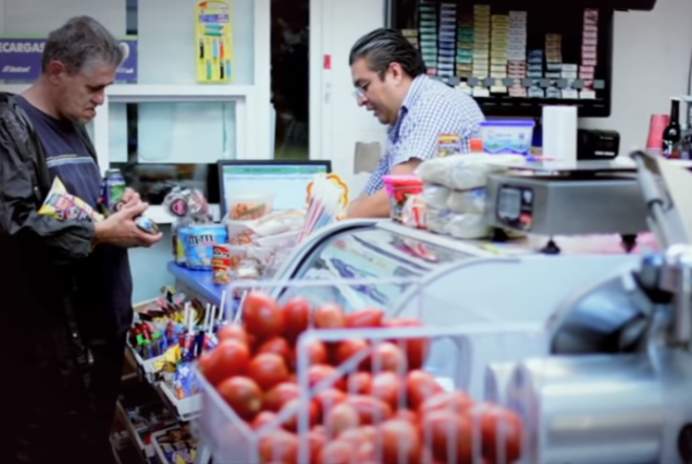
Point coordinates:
[(81, 41), (384, 46)]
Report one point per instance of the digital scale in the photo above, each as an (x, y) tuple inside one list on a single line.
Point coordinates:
[(585, 197)]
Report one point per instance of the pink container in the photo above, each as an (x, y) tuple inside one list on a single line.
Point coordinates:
[(657, 125)]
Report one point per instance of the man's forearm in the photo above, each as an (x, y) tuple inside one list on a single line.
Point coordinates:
[(375, 205)]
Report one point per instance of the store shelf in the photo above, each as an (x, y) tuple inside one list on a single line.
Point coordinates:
[(186, 409), (199, 283)]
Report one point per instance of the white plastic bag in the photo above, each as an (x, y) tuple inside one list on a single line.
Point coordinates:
[(464, 172), (435, 195), (467, 201)]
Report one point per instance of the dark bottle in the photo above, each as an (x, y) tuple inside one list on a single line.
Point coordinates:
[(671, 134)]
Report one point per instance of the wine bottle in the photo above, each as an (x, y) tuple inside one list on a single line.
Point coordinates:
[(671, 134)]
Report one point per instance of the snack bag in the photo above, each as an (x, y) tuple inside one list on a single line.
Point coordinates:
[(63, 206)]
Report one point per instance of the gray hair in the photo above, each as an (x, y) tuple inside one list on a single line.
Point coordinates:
[(81, 41), (384, 46)]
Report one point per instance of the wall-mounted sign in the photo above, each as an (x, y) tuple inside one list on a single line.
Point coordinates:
[(20, 60)]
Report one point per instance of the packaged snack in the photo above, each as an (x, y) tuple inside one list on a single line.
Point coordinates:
[(198, 241), (398, 189), (221, 264), (250, 206), (63, 206)]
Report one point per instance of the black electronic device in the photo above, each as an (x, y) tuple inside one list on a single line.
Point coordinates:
[(595, 144)]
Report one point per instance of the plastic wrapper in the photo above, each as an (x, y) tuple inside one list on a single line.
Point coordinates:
[(462, 226), (413, 212), (467, 201), (251, 206), (435, 195), (63, 206), (464, 172)]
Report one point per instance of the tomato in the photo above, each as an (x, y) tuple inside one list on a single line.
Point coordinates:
[(341, 417), (243, 395), (336, 452), (416, 348), (329, 316), (291, 424), (317, 437), (317, 352), (370, 410), (296, 313), (387, 356), (348, 348), (327, 399), (277, 345), (388, 387), (500, 428), (262, 419), (229, 358), (359, 383), (262, 316), (268, 369), (233, 332), (439, 427), (319, 372), (370, 317), (362, 441), (279, 395), (407, 415), (400, 442), (419, 386), (457, 402), (279, 446)]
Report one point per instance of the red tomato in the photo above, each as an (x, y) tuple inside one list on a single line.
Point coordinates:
[(362, 441), (279, 395), (262, 316), (229, 358), (388, 387), (370, 410), (327, 399), (233, 332), (400, 442), (291, 424), (500, 428), (336, 452), (319, 372), (347, 348), (388, 357), (359, 383), (416, 348), (243, 395), (329, 316), (296, 317), (438, 427), (317, 437), (370, 317), (341, 417), (457, 402), (419, 386), (268, 369), (407, 415), (317, 352), (279, 446), (262, 419), (277, 345)]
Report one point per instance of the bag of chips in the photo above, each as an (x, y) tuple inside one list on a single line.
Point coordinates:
[(63, 206)]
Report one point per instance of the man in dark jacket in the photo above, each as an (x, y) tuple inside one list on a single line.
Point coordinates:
[(66, 285)]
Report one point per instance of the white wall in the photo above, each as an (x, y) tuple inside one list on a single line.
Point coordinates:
[(23, 17), (651, 56)]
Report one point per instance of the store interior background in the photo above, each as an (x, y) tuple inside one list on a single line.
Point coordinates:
[(650, 64)]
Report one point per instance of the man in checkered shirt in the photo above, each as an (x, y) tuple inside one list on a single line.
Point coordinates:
[(389, 76)]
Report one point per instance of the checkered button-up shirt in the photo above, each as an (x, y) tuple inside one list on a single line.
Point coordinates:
[(430, 109)]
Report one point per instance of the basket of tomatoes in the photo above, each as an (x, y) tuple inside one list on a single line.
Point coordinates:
[(297, 382)]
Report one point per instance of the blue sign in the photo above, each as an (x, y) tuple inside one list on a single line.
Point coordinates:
[(20, 60)]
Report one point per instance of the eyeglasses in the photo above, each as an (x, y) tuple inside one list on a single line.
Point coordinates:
[(360, 90)]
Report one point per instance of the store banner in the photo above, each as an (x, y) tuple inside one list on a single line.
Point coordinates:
[(20, 60)]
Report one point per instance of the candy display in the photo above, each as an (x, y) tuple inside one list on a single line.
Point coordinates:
[(176, 445), (63, 206), (198, 242)]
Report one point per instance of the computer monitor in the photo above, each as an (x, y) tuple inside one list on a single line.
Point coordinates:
[(286, 180)]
